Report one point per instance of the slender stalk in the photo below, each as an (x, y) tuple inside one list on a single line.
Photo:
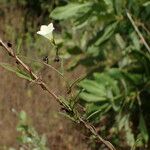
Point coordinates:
[(28, 69), (42, 62), (45, 87), (138, 31), (93, 131)]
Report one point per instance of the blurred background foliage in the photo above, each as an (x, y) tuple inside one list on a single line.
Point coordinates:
[(99, 36)]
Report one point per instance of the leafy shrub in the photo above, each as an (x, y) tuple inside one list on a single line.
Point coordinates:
[(108, 38)]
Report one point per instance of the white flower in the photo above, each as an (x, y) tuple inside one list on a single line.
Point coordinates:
[(47, 31)]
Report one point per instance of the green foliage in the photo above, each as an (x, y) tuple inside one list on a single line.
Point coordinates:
[(143, 129), (70, 10), (100, 36), (29, 138)]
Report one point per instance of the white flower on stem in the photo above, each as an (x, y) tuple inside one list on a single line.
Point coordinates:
[(47, 31)]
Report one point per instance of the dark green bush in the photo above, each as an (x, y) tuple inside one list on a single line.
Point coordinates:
[(102, 36)]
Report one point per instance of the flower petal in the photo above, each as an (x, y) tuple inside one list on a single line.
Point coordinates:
[(51, 26), (46, 35), (46, 31), (49, 36), (44, 28), (41, 33)]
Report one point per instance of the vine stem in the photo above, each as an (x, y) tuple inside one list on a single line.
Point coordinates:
[(46, 88), (138, 31), (93, 131)]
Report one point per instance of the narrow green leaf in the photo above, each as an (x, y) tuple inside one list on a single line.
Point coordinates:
[(8, 67), (18, 72), (93, 87), (100, 109), (120, 41), (135, 40), (146, 4), (19, 45), (89, 97), (70, 10), (69, 117), (143, 128), (24, 75), (119, 6), (104, 35)]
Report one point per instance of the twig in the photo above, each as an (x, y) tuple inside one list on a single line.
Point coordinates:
[(93, 131), (138, 31), (45, 87), (28, 69)]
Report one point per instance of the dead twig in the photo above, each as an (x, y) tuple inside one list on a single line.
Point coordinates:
[(93, 131)]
